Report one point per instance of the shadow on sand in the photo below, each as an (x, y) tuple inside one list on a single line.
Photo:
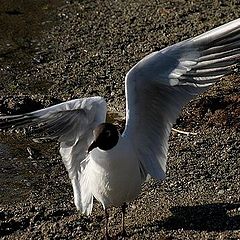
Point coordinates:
[(210, 217)]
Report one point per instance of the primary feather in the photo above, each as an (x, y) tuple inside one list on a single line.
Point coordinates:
[(163, 82), (72, 124)]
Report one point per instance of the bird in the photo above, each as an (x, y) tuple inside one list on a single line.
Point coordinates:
[(110, 166)]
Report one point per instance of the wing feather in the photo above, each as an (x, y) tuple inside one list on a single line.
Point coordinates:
[(163, 82), (72, 124)]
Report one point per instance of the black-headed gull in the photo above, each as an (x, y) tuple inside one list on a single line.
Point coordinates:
[(109, 166)]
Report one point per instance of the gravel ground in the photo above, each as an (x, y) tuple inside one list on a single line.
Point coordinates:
[(51, 51)]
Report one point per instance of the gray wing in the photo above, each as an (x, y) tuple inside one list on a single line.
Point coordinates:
[(163, 82), (72, 124)]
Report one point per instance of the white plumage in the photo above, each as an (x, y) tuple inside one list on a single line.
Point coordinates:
[(156, 89)]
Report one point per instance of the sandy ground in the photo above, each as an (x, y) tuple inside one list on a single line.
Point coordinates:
[(51, 51)]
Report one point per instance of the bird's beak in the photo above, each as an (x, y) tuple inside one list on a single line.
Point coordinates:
[(92, 146)]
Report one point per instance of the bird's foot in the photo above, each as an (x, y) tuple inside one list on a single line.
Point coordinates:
[(124, 234), (107, 237)]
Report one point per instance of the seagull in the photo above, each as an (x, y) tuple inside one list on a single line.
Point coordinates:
[(109, 166)]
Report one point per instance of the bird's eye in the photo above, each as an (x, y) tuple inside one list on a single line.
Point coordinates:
[(107, 133)]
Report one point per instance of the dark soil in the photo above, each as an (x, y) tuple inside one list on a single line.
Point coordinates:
[(52, 51)]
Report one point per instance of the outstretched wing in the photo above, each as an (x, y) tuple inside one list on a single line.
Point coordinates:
[(163, 82), (72, 124)]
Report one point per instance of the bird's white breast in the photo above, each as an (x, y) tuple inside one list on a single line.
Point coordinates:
[(114, 175)]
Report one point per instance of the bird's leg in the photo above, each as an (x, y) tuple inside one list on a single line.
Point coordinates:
[(124, 206), (107, 236)]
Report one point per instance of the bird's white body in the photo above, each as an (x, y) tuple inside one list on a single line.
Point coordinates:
[(157, 88), (114, 176)]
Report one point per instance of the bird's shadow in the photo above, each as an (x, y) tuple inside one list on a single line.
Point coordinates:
[(210, 217)]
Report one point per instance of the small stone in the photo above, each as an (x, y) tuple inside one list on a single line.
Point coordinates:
[(221, 192)]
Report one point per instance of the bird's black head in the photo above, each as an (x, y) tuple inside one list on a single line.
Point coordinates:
[(106, 137)]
